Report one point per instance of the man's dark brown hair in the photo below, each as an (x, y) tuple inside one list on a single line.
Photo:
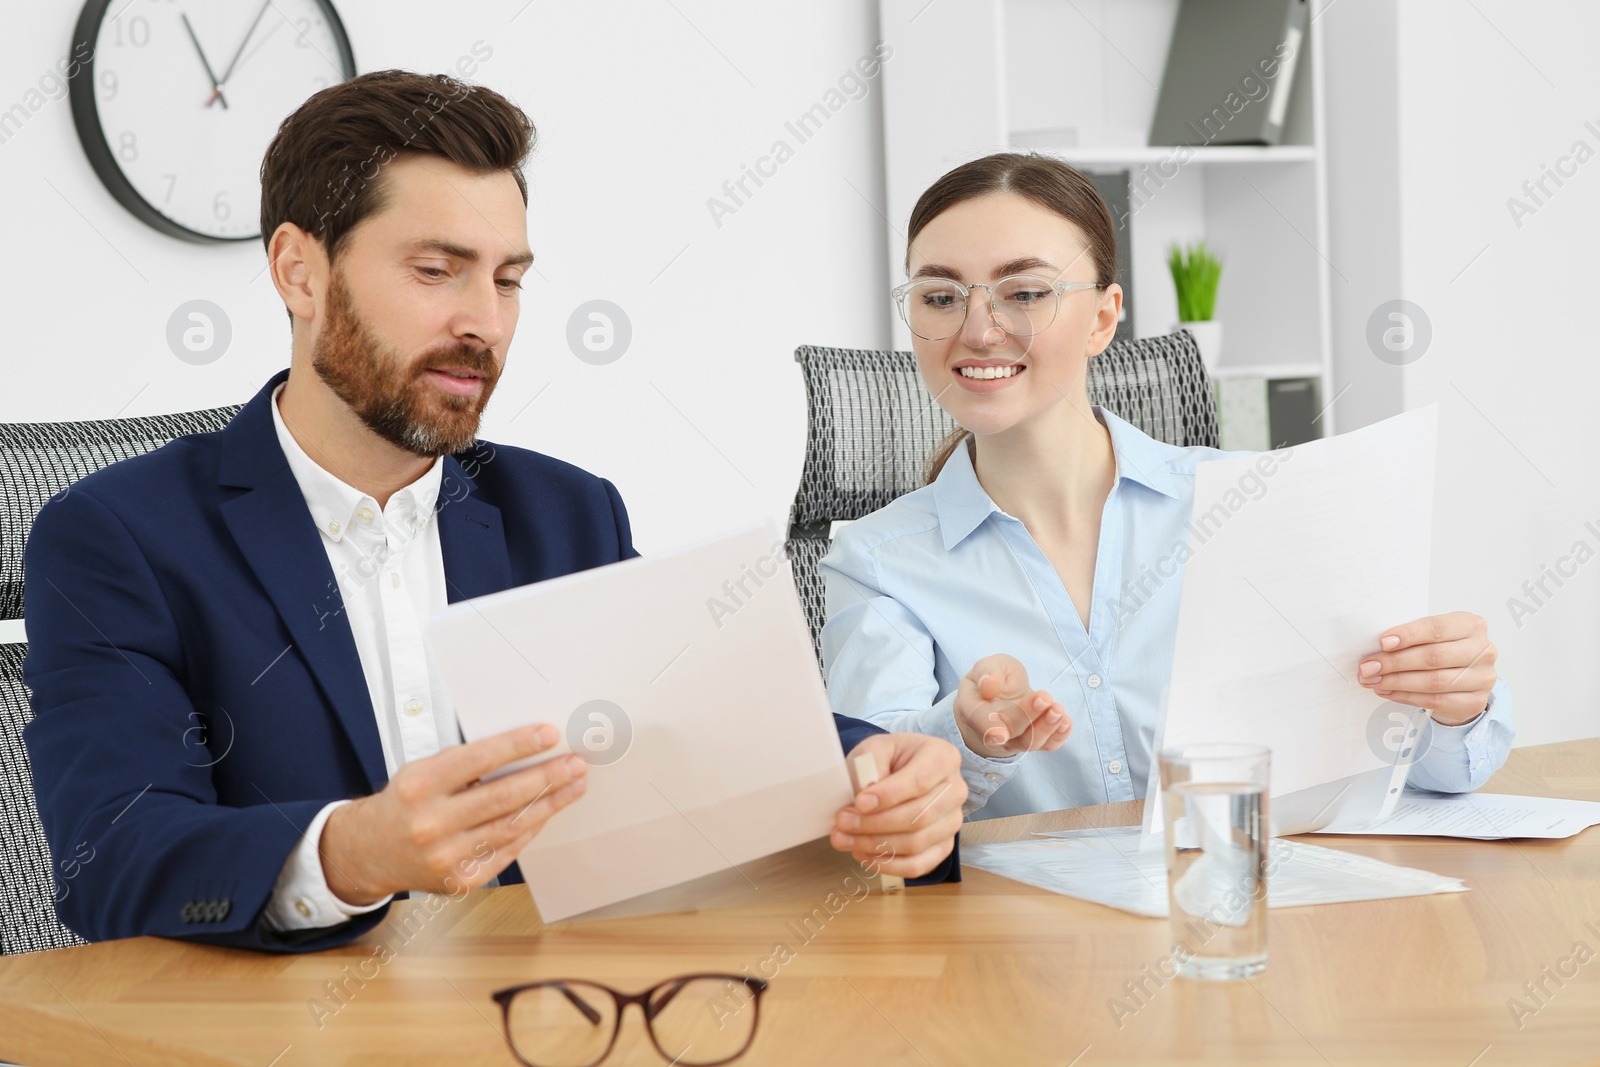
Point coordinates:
[(322, 171)]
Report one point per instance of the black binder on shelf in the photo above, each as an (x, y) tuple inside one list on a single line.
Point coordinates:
[(1114, 189), (1229, 72), (1292, 411)]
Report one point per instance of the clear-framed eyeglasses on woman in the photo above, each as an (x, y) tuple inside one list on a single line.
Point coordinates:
[(1021, 304)]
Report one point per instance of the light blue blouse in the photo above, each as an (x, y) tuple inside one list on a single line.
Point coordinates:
[(919, 591)]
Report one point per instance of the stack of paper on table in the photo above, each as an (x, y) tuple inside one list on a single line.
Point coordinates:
[(1107, 866), (1480, 816), (697, 667)]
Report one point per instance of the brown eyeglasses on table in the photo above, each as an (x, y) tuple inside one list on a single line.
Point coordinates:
[(696, 1020)]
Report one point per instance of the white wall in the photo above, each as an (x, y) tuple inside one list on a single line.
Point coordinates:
[(644, 109), (1438, 112)]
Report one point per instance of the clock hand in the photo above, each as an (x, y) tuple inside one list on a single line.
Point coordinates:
[(235, 61), (266, 36), (216, 90)]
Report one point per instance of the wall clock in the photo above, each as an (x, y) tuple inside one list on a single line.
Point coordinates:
[(176, 101)]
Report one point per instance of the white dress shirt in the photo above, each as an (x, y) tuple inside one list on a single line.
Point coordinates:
[(390, 574), (922, 589)]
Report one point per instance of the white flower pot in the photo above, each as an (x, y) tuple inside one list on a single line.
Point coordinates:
[(1208, 338)]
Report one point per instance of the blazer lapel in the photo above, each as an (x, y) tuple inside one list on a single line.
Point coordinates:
[(274, 531), (472, 538)]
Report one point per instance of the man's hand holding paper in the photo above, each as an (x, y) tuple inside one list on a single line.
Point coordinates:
[(438, 828), (906, 823)]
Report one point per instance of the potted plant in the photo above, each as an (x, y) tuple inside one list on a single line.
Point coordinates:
[(1196, 273)]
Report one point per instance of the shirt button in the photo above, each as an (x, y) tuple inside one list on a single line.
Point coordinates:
[(1115, 766), (1094, 681), (394, 579), (333, 527), (365, 515), (992, 777), (303, 908), (413, 707)]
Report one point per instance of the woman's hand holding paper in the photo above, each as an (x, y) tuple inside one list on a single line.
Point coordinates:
[(1444, 663)]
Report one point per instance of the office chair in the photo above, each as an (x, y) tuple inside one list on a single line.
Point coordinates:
[(872, 426), (38, 460)]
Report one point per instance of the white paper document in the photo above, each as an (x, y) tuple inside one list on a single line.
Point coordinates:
[(1107, 866), (1298, 561), (1481, 816), (688, 682)]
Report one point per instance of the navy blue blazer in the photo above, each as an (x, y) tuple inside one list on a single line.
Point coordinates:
[(197, 693)]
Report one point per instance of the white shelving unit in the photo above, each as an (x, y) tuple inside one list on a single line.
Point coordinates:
[(1079, 80), (1135, 155)]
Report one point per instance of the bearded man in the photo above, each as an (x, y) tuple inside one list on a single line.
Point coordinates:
[(234, 705)]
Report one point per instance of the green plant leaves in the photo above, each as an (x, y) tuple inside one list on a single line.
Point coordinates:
[(1196, 273)]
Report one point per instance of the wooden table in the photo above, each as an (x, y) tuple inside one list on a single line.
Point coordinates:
[(985, 972)]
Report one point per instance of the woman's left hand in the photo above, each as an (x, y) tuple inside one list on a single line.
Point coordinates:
[(1443, 663)]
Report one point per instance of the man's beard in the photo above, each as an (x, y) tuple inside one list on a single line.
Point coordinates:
[(387, 391)]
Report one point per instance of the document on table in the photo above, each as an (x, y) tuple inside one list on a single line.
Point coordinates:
[(688, 683), (1481, 816), (1298, 560), (1107, 866)]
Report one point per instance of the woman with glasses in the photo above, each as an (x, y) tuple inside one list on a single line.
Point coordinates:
[(988, 607)]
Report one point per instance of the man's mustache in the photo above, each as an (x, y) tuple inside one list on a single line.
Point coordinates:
[(459, 357)]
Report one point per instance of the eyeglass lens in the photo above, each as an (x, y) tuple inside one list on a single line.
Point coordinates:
[(935, 308)]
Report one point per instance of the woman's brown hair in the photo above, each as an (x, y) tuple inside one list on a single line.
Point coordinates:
[(1050, 183)]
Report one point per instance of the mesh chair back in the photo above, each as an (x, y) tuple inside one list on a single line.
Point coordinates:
[(872, 427), (38, 460), (27, 891)]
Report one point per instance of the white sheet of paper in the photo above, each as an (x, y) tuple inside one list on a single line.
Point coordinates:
[(1480, 816), (1107, 866), (1292, 577), (696, 666)]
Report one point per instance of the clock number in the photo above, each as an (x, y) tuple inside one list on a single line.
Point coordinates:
[(192, 98), (138, 31)]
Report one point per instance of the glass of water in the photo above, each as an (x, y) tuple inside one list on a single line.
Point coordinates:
[(1215, 812)]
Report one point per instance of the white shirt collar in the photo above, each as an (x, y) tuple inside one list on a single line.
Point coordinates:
[(336, 505)]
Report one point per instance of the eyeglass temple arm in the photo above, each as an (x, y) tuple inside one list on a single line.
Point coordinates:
[(659, 1004)]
